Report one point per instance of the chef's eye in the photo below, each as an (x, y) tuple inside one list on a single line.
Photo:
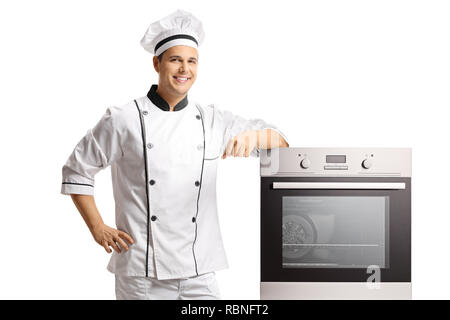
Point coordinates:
[(193, 61)]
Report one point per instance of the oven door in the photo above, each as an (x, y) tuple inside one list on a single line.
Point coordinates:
[(335, 229)]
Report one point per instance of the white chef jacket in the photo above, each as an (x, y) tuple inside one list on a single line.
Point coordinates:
[(163, 167)]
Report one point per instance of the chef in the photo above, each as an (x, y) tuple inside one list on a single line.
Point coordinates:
[(163, 149)]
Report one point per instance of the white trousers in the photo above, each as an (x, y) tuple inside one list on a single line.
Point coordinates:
[(201, 287)]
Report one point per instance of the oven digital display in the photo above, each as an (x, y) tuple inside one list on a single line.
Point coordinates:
[(336, 159)]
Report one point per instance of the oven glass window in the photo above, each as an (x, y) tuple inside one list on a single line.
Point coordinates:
[(335, 232)]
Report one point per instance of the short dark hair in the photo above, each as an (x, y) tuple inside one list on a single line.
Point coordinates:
[(160, 56)]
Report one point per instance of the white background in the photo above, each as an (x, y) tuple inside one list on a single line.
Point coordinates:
[(327, 73)]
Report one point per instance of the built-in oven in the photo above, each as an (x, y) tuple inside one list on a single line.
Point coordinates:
[(336, 223)]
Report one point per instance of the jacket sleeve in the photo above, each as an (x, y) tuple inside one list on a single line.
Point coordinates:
[(234, 125), (98, 149)]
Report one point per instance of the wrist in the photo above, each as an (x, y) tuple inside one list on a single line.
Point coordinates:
[(96, 226)]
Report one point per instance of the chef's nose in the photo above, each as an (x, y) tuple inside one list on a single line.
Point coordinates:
[(183, 66)]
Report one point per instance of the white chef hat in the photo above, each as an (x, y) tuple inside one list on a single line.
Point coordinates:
[(178, 28)]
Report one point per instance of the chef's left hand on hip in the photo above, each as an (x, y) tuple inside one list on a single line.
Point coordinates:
[(241, 145)]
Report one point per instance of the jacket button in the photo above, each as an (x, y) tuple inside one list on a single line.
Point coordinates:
[(198, 117), (152, 182), (200, 147), (197, 183), (153, 218), (145, 112), (193, 219), (149, 145)]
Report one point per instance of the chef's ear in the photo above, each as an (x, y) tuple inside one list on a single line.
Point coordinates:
[(156, 63)]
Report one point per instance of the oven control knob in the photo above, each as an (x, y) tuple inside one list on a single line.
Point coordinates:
[(367, 163), (305, 163)]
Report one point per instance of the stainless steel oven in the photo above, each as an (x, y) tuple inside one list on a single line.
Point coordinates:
[(336, 223)]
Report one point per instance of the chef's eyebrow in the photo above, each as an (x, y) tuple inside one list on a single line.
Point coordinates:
[(193, 58)]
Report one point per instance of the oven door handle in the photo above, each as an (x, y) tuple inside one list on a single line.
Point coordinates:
[(341, 185)]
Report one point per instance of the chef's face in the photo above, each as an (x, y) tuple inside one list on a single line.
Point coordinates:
[(177, 69)]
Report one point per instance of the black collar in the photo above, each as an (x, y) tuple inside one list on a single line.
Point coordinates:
[(161, 103)]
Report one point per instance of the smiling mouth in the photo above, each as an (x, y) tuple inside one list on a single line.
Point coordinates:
[(181, 79)]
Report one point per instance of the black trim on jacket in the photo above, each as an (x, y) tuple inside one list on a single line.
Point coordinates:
[(158, 101), (199, 189), (146, 185), (80, 184)]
